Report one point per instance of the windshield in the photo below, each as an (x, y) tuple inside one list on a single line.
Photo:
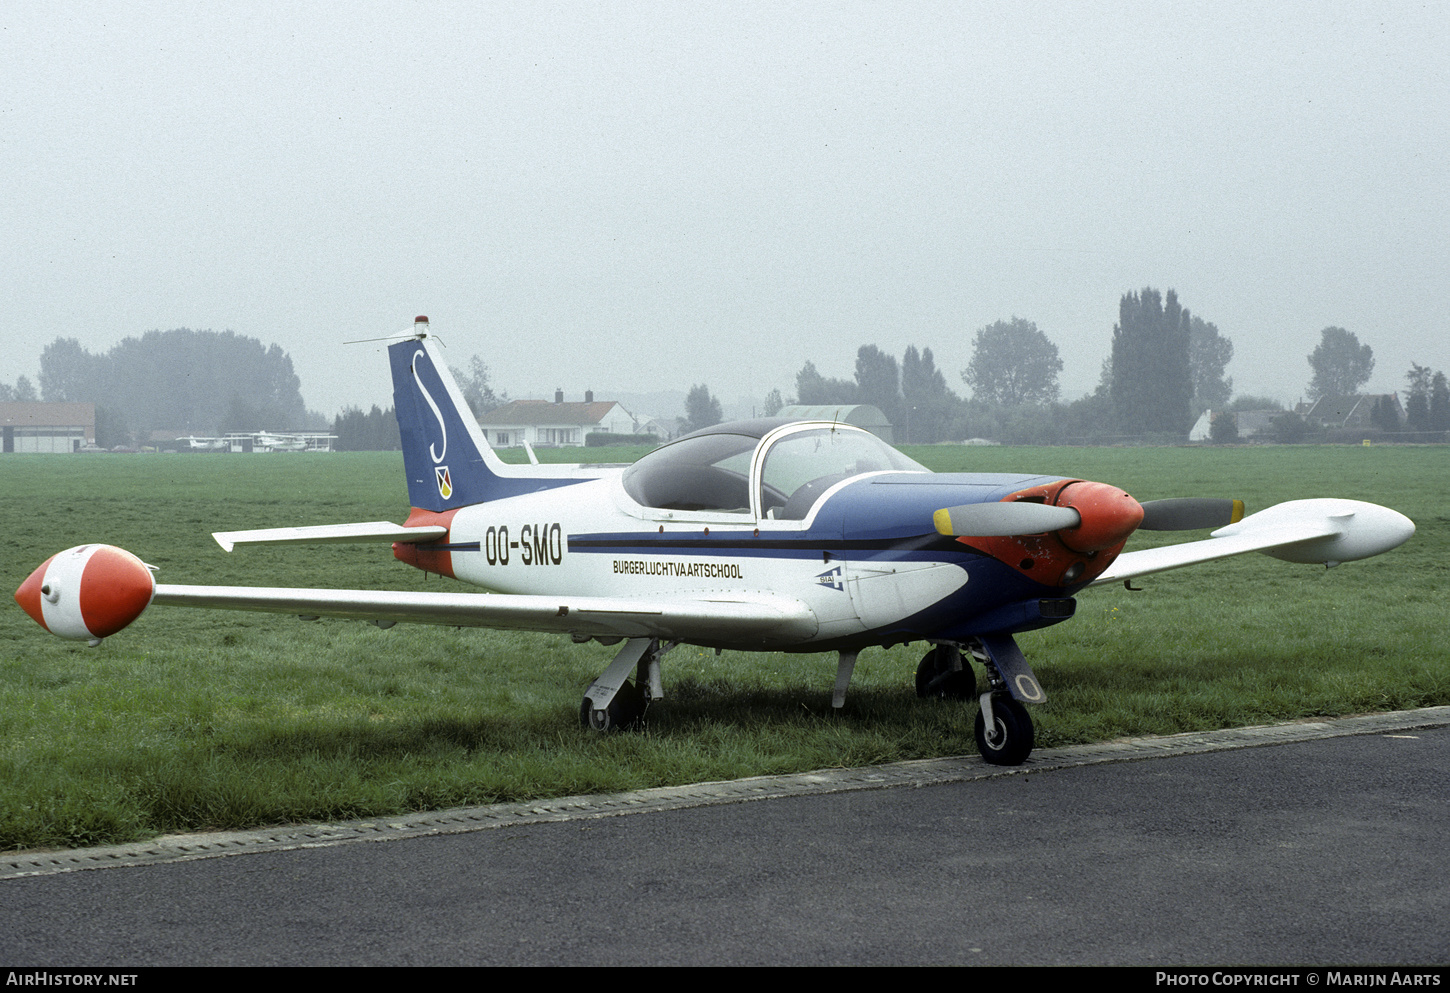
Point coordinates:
[(706, 472), (803, 465)]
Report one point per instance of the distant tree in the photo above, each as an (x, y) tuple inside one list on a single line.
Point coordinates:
[(383, 430), (878, 381), (1439, 403), (67, 372), (1013, 363), (1341, 364), (178, 379), (1152, 386), (927, 405), (1105, 377), (1247, 401), (701, 409), (1419, 382), (1091, 417), (1384, 416), (350, 428), (1224, 428), (1289, 428), (1419, 378), (25, 390), (244, 413), (240, 415), (1208, 355), (1417, 412), (111, 429), (478, 392), (813, 389), (375, 431), (773, 402)]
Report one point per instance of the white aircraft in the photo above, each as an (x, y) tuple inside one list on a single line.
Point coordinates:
[(757, 535), (273, 442), (205, 444)]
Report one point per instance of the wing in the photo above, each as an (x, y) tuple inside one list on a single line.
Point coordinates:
[(759, 618), (92, 591), (1323, 531)]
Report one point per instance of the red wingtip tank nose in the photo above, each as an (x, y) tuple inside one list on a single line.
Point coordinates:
[(87, 592), (28, 595)]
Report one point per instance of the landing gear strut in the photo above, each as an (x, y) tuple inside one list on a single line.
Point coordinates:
[(1004, 731), (612, 703)]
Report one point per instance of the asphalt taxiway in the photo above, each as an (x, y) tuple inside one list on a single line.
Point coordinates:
[(1317, 842)]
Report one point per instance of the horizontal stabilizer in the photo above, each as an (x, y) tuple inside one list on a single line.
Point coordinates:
[(330, 533)]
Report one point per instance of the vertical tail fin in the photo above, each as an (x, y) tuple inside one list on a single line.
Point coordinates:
[(445, 454)]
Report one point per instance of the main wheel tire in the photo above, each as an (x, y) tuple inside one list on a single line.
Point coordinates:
[(1012, 735), (625, 711), (934, 679)]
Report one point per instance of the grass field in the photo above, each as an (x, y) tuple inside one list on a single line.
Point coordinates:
[(195, 720)]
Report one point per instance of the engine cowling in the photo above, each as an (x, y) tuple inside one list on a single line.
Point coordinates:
[(88, 592)]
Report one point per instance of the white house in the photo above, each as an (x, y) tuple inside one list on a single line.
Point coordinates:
[(544, 424)]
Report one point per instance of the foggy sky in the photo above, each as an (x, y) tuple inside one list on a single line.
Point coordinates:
[(645, 196)]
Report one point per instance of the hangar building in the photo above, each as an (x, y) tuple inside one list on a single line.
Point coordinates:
[(32, 426)]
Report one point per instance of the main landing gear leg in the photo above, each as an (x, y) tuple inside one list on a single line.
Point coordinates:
[(946, 674), (612, 703), (845, 665), (1004, 731)]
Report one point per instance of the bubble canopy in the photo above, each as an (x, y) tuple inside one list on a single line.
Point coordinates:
[(766, 468)]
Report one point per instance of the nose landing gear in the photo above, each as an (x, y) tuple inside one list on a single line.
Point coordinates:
[(1004, 731)]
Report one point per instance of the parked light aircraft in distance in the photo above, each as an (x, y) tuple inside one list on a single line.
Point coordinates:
[(196, 444), (756, 535)]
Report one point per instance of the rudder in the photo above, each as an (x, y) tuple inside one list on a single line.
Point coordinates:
[(447, 459)]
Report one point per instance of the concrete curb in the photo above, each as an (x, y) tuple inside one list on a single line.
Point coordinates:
[(924, 772)]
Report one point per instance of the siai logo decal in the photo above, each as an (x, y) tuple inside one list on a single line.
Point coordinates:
[(445, 483), (831, 578)]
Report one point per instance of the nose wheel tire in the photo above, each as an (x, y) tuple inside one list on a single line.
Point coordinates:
[(1011, 737)]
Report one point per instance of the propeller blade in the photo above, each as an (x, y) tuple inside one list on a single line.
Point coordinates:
[(992, 520), (1190, 514)]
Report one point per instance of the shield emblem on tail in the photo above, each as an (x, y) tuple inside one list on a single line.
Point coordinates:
[(445, 484)]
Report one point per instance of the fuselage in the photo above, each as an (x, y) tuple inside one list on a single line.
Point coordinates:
[(864, 557)]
